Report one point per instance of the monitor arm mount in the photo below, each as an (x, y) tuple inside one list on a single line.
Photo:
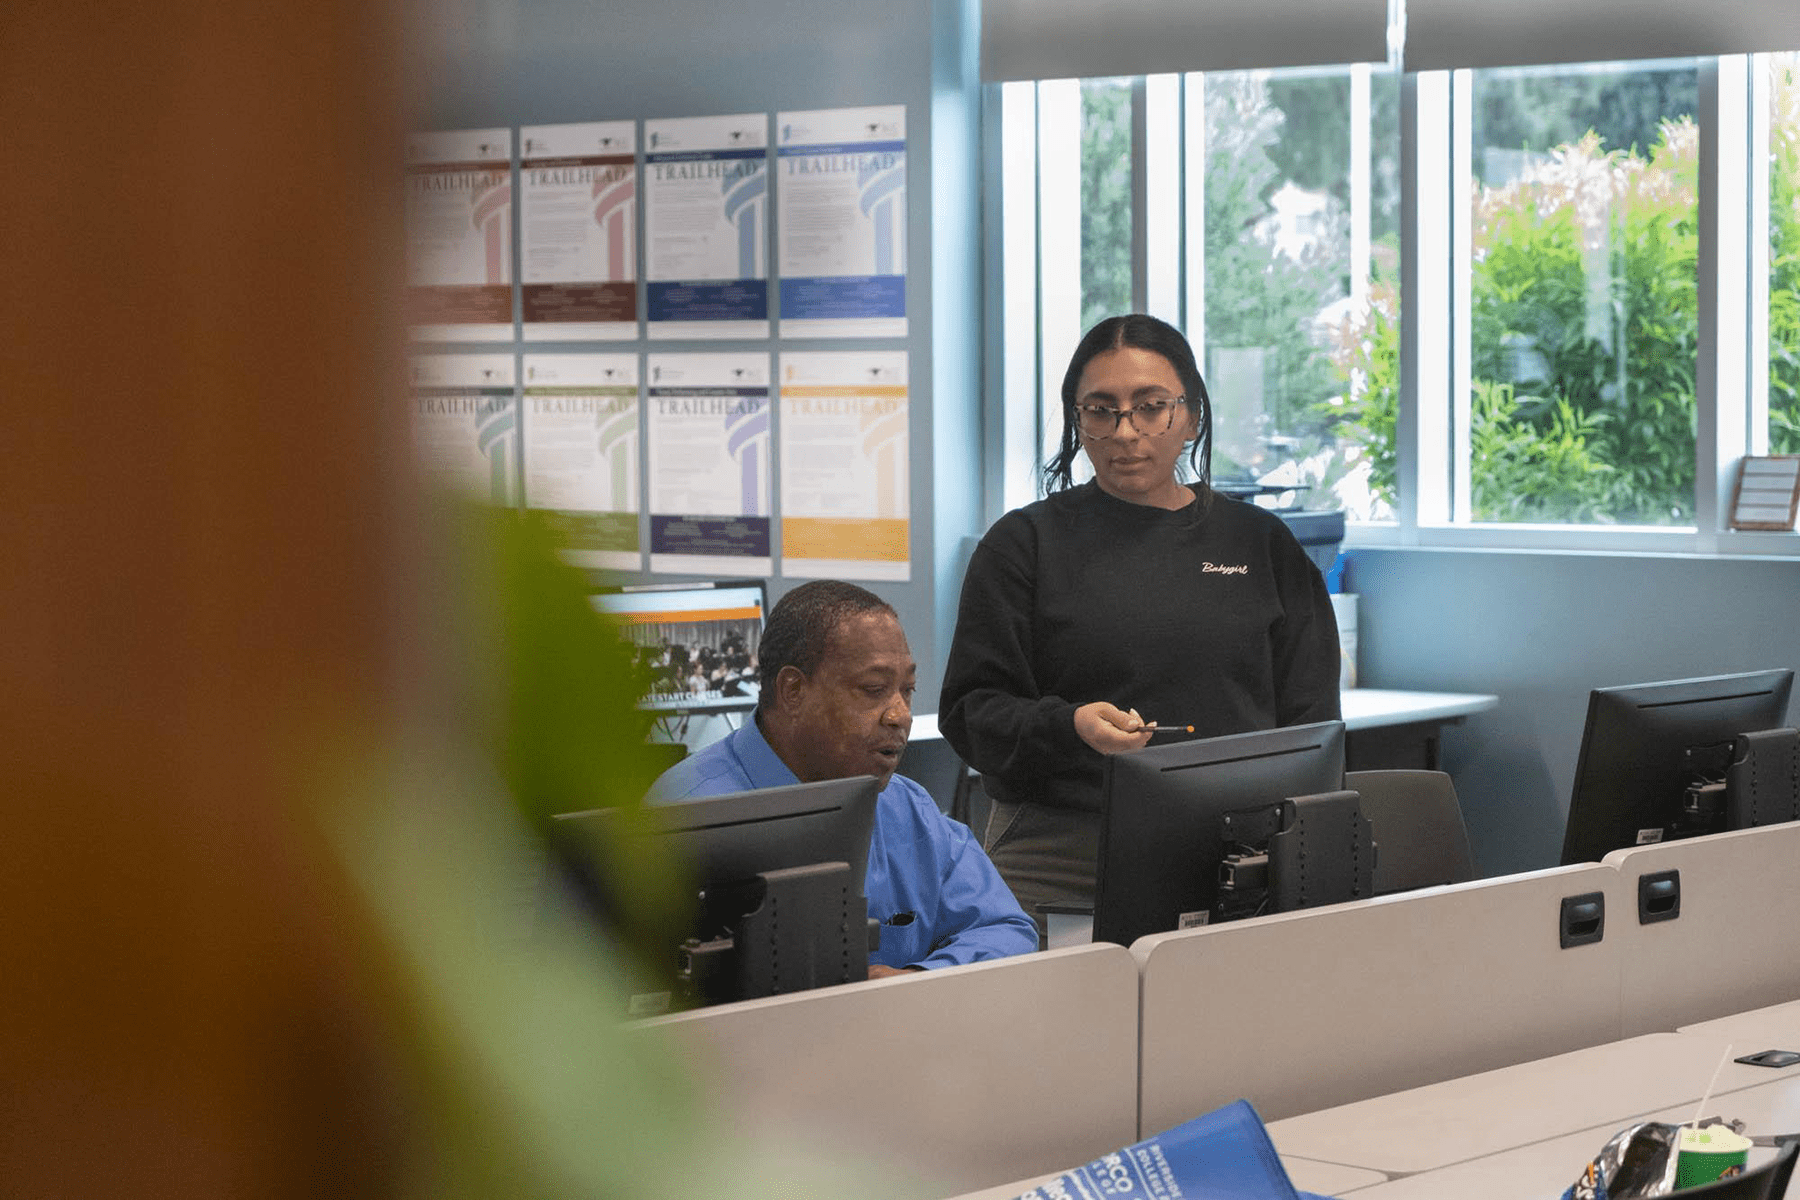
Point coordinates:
[(779, 931), (1752, 780), (1304, 851), (1703, 808)]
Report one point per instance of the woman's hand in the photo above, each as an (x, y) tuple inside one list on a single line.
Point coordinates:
[(1110, 729)]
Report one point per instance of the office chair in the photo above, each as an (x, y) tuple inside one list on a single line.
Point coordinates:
[(969, 802), (1418, 826), (1767, 1182)]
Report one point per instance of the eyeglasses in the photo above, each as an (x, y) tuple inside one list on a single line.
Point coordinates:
[(1150, 419)]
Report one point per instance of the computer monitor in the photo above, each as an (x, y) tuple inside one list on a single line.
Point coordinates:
[(697, 642), (1655, 758), (1172, 815), (778, 887)]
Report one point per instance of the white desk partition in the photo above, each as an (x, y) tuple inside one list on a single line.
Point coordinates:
[(1306, 1010), (972, 1075), (1736, 944)]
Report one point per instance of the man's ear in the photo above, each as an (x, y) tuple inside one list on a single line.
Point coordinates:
[(790, 683)]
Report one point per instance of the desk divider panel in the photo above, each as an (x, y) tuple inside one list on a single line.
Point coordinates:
[(1735, 944), (1306, 1010), (969, 1076)]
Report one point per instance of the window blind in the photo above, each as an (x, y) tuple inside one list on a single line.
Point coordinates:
[(1060, 39), (1444, 34)]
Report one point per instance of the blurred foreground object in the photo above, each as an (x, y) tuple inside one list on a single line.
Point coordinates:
[(218, 608), (204, 543)]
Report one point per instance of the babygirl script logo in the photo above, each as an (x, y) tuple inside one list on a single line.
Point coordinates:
[(1213, 568)]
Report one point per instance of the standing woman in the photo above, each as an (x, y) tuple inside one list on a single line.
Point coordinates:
[(1132, 594)]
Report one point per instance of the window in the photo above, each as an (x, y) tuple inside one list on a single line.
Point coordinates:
[(1582, 294), (1301, 200), (1586, 352), (1257, 211), (1779, 81), (1106, 198)]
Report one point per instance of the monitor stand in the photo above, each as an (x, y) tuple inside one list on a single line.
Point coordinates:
[(1762, 785), (1324, 852), (785, 930), (1300, 853), (1704, 806)]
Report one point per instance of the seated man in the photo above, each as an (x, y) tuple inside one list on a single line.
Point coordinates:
[(835, 701)]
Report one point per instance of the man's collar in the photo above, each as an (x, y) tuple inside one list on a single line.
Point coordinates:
[(761, 763)]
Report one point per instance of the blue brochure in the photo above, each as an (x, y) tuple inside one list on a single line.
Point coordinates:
[(1224, 1155)]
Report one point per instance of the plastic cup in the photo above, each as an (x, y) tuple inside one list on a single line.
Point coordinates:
[(1710, 1153)]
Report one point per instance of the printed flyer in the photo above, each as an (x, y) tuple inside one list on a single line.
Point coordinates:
[(842, 246), (1223, 1155), (709, 463), (465, 424), (578, 230), (844, 464), (459, 235), (581, 454), (706, 191)]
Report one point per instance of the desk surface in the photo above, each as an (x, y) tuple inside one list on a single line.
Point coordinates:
[(1774, 1028), (1545, 1168), (1526, 1131), (1322, 1179), (1369, 708), (1519, 1106), (1364, 708)]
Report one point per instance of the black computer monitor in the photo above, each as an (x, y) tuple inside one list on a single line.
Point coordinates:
[(696, 642), (1655, 758), (778, 873), (1173, 814)]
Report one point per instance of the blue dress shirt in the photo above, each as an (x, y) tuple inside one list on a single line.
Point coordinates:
[(920, 861)]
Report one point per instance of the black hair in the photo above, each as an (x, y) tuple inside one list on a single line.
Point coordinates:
[(799, 629), (1145, 333)]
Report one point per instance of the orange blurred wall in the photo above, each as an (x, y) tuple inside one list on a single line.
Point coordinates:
[(201, 558)]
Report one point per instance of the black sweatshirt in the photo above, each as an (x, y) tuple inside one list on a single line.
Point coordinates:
[(1211, 616)]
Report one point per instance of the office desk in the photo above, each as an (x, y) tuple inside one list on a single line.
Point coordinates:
[(1364, 708), (1442, 1124), (1397, 729), (1385, 729), (1545, 1168), (1526, 1131)]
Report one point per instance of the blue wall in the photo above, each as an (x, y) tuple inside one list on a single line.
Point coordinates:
[(1540, 630)]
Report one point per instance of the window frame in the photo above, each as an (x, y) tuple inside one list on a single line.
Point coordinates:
[(1433, 447)]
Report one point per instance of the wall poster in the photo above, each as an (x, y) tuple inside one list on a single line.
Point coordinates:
[(844, 464), (706, 185), (842, 244), (709, 463), (578, 230), (581, 454), (466, 424), (459, 235)]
